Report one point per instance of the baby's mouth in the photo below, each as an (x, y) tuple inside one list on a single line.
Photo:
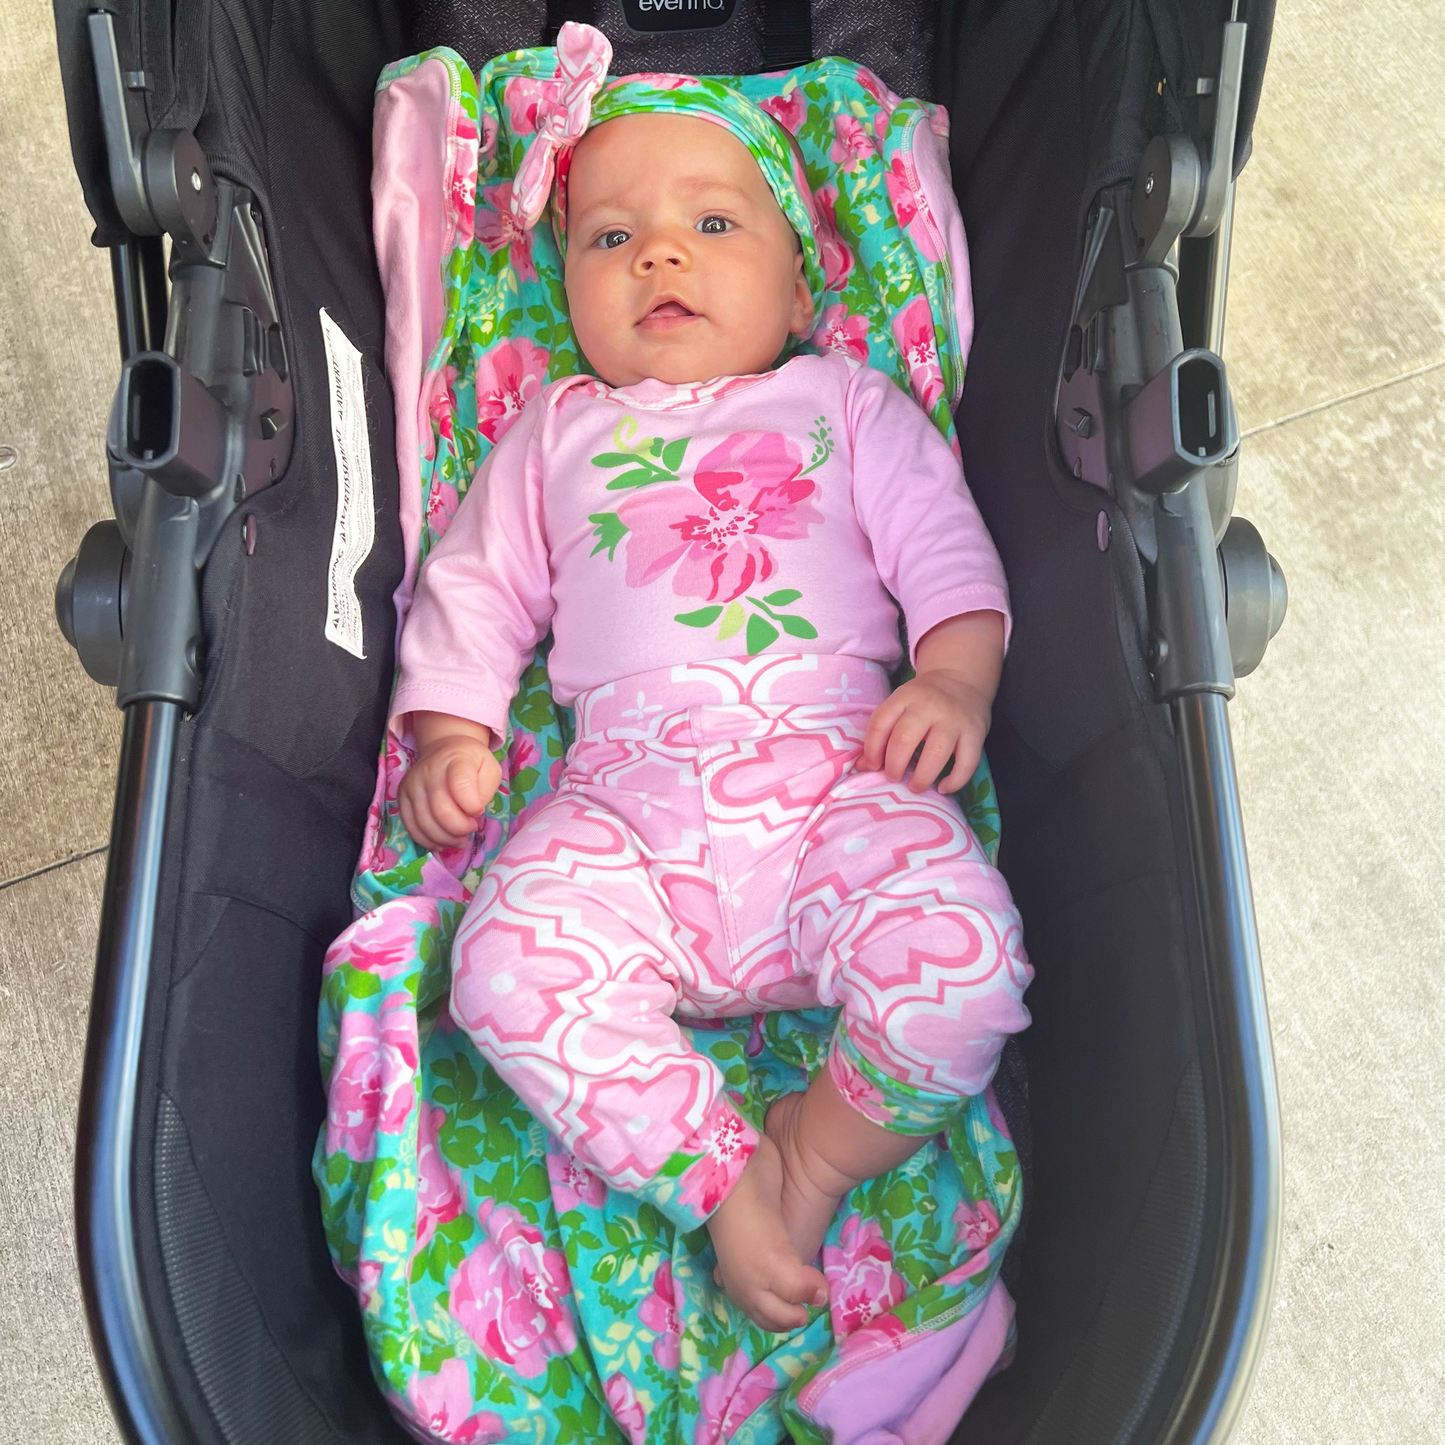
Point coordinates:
[(667, 316)]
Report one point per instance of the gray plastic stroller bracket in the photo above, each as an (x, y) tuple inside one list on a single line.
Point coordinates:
[(163, 185), (195, 429), (1177, 193)]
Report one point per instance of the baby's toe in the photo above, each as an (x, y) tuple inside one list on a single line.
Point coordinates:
[(799, 1283)]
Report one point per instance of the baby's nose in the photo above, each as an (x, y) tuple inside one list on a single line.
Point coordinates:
[(663, 252)]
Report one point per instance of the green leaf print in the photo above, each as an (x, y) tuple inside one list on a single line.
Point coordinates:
[(761, 633), (781, 599), (649, 459), (797, 626), (703, 617), (639, 478), (732, 623), (609, 529)]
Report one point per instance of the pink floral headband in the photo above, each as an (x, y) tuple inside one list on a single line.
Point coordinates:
[(582, 97)]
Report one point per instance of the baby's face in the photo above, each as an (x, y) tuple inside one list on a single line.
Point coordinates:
[(680, 263)]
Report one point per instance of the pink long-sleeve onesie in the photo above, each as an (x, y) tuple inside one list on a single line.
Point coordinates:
[(715, 562)]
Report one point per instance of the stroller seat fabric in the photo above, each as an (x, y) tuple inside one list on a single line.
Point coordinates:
[(506, 1291)]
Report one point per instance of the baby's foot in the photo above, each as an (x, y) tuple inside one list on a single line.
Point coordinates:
[(756, 1263), (812, 1188)]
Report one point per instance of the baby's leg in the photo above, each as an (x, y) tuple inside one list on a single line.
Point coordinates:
[(827, 1148), (913, 932), (757, 1261), (565, 975)]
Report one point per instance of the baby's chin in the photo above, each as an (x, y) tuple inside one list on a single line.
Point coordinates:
[(683, 366)]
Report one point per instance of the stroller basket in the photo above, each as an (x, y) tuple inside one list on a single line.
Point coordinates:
[(1094, 145)]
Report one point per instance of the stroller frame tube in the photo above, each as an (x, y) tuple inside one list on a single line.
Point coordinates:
[(1232, 1333), (105, 1186), (1242, 1289)]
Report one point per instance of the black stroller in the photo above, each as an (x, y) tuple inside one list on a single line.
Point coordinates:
[(1094, 147)]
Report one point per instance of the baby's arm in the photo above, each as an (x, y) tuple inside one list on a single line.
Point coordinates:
[(452, 781), (946, 708)]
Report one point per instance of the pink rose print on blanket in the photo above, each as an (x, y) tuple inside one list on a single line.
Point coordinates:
[(499, 227), (510, 1293), (398, 1061), (911, 208), (508, 377), (573, 1184), (442, 1403), (746, 492), (862, 1282), (851, 143), (790, 110), (977, 1223), (527, 99), (844, 333), (626, 1407), (728, 1398), (913, 331), (438, 1195), (462, 196), (658, 1313), (833, 252), (354, 1097), (875, 87)]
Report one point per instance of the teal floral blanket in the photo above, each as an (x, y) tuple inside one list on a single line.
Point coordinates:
[(506, 1293)]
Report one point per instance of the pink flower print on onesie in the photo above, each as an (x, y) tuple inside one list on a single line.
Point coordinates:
[(508, 377), (510, 1293), (527, 99), (442, 1403), (751, 490), (716, 537)]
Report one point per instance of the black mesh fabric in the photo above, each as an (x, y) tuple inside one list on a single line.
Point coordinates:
[(894, 37), (244, 1377)]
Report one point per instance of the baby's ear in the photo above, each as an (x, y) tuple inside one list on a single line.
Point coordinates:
[(800, 322)]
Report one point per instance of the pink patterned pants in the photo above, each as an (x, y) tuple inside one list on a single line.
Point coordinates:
[(710, 852)]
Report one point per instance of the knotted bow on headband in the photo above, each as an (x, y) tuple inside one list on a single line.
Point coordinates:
[(582, 98)]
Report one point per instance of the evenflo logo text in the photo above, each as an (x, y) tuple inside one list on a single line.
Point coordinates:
[(677, 14)]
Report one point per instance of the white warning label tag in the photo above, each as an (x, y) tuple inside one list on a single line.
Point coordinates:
[(355, 531)]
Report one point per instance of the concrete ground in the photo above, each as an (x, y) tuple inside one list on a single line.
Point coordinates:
[(1336, 348)]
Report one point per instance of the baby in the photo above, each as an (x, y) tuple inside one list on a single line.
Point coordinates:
[(749, 820)]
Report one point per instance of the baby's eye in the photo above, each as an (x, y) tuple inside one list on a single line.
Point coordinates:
[(714, 225), (611, 240)]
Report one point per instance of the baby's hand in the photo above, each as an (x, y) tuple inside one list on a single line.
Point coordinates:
[(945, 712), (448, 788)]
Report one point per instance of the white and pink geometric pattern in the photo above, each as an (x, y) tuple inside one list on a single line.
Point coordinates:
[(711, 851)]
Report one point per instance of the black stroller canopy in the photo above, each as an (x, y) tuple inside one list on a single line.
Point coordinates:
[(251, 742)]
